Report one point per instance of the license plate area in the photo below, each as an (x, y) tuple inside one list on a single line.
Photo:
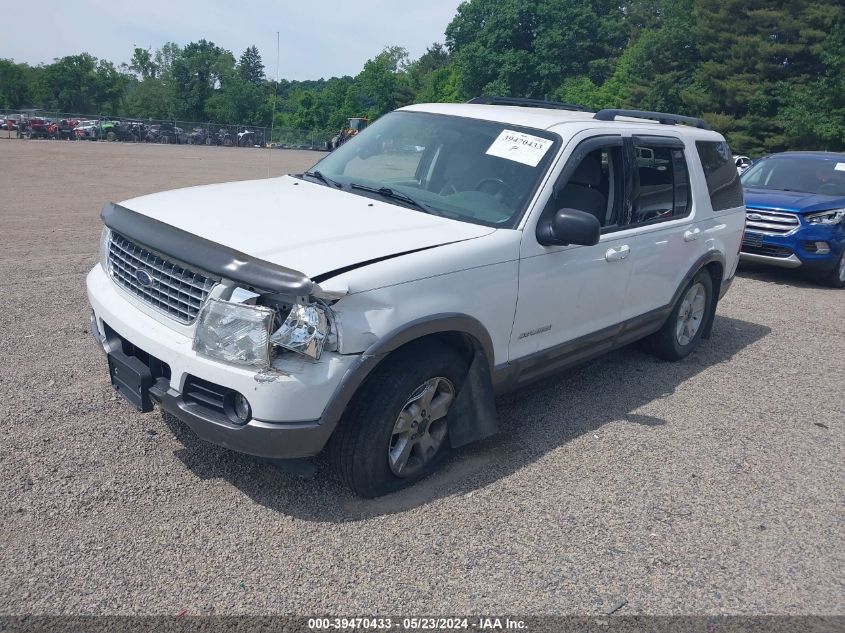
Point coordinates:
[(132, 379)]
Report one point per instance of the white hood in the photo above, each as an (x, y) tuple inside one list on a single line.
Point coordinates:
[(301, 225)]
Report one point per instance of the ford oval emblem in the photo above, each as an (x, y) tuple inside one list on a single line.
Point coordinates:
[(143, 278), (754, 216)]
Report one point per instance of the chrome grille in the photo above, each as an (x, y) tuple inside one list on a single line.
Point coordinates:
[(771, 222), (171, 289)]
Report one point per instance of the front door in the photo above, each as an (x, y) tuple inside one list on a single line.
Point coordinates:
[(570, 292)]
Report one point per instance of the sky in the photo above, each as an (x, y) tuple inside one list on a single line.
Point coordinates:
[(317, 38)]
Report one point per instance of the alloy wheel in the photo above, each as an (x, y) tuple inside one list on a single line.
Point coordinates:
[(691, 314), (420, 429)]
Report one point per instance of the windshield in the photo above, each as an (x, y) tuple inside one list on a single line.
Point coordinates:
[(807, 174), (466, 169)]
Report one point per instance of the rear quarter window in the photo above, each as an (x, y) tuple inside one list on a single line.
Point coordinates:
[(723, 183)]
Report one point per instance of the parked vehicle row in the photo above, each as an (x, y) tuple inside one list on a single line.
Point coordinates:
[(129, 131)]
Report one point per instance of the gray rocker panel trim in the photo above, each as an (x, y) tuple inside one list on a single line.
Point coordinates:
[(209, 256)]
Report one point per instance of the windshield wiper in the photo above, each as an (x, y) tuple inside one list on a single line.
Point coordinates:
[(317, 175), (387, 192)]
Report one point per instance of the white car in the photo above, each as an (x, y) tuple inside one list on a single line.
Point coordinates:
[(377, 303)]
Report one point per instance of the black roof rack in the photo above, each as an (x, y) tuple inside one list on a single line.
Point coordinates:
[(529, 103), (662, 117)]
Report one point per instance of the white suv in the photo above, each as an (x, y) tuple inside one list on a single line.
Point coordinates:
[(376, 304)]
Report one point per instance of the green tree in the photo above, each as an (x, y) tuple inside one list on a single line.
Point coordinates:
[(813, 115), (383, 84), (196, 72), (528, 49), (435, 58), (250, 66), (165, 56), (142, 64), (14, 86), (81, 83), (748, 49), (658, 65)]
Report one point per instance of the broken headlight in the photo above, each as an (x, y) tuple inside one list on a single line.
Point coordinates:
[(304, 330), (235, 332)]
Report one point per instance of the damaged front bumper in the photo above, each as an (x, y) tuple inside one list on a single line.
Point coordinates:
[(294, 405)]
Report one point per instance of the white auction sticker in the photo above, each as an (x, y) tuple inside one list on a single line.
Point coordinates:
[(839, 167), (520, 147)]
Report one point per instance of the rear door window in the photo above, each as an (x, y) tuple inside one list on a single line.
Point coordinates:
[(661, 189), (723, 182)]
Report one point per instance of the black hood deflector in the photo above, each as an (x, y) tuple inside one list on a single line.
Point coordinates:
[(206, 255)]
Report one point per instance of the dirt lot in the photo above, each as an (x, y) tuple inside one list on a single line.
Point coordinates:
[(714, 485)]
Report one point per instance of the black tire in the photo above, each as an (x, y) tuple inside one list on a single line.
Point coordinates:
[(111, 136), (666, 342), (359, 448), (835, 277)]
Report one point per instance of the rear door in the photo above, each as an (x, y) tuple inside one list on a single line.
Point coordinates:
[(661, 228)]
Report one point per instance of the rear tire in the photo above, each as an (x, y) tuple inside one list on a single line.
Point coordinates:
[(682, 332), (395, 430), (111, 136)]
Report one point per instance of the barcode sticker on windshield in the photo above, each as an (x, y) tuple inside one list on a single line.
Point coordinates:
[(520, 147), (840, 167)]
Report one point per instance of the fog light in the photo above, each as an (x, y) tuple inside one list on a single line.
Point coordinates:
[(241, 409), (822, 247)]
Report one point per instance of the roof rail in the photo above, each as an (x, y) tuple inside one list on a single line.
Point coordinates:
[(529, 103), (662, 117)]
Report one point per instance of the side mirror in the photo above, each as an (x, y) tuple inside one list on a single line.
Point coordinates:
[(569, 226)]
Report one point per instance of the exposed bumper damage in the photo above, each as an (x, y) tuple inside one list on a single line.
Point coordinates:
[(473, 416)]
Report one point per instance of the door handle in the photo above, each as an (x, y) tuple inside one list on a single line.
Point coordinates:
[(617, 254), (692, 235)]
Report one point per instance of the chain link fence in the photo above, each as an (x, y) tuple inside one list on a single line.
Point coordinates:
[(50, 124)]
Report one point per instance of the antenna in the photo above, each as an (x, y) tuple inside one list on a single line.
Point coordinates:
[(273, 119)]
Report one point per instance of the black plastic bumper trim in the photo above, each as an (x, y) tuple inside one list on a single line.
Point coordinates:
[(262, 439)]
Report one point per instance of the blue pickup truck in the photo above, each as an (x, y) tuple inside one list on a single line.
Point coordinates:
[(795, 215)]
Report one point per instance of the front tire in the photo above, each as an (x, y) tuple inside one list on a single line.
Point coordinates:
[(395, 431), (684, 327), (836, 277)]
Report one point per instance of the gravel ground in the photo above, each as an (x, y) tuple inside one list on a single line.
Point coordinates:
[(710, 486)]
